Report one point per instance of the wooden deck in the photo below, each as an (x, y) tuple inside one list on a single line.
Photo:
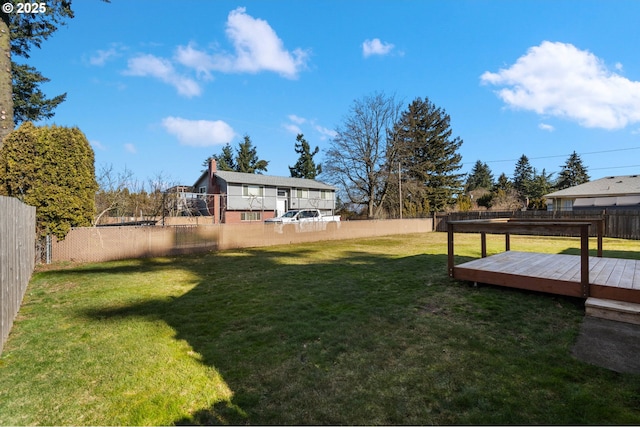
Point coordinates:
[(610, 278), (573, 275)]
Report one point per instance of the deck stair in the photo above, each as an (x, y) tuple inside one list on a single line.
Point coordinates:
[(619, 311)]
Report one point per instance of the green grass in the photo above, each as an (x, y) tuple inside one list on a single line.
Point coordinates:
[(367, 331)]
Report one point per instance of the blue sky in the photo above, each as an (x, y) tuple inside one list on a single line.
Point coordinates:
[(158, 86)]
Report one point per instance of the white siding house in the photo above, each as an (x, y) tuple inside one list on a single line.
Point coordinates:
[(612, 192), (236, 197)]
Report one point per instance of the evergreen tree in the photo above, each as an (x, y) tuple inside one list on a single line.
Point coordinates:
[(503, 183), (51, 168), (19, 32), (247, 160), (480, 177), (29, 102), (225, 160), (305, 167), (541, 184), (573, 173), (429, 154), (523, 176)]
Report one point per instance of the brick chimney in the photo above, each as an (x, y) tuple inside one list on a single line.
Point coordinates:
[(213, 168)]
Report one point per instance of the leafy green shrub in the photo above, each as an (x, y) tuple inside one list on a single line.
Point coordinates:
[(51, 168)]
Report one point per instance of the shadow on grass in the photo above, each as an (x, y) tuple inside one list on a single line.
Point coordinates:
[(605, 253), (270, 322)]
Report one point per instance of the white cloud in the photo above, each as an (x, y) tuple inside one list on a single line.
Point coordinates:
[(546, 127), (190, 57), (297, 119), (199, 133), (162, 69), (291, 128), (561, 80), (376, 47), (257, 48), (97, 145), (325, 132), (102, 56), (296, 122), (130, 148)]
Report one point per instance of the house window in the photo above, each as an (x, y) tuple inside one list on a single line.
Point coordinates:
[(567, 204), (302, 193), (282, 192), (252, 191), (250, 216), (325, 195), (202, 189)]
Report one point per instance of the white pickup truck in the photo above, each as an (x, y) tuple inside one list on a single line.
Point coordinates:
[(299, 220)]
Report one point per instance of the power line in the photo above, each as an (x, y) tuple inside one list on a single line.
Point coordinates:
[(567, 155), (615, 167)]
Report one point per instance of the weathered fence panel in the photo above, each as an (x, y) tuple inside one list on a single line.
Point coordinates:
[(623, 224), (97, 244), (17, 258)]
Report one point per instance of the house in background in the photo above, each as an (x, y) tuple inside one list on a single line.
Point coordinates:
[(236, 197), (612, 192)]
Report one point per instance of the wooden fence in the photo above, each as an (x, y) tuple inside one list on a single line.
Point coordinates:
[(17, 258), (623, 224)]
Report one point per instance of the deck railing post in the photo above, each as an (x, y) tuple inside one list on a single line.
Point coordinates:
[(584, 259), (450, 248), (507, 242), (483, 244), (600, 232)]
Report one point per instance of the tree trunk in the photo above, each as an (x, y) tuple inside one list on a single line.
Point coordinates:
[(6, 87)]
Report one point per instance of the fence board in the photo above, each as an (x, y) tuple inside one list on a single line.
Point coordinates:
[(17, 258)]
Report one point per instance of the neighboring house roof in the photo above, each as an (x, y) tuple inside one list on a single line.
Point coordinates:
[(611, 186), (275, 181)]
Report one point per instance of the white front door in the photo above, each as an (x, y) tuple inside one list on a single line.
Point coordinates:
[(281, 207)]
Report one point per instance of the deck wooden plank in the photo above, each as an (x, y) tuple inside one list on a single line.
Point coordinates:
[(636, 277), (596, 264), (496, 262), (616, 274), (565, 266), (605, 273), (536, 265), (626, 280), (570, 268)]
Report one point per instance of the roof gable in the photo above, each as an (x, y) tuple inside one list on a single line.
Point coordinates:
[(626, 185)]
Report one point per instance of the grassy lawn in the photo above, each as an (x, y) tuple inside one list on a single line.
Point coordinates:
[(368, 331)]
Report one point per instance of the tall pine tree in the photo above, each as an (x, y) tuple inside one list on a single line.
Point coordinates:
[(523, 177), (573, 173), (244, 160), (480, 177), (247, 160), (225, 160), (429, 155), (20, 96), (305, 167)]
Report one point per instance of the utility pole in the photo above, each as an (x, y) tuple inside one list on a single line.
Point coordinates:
[(400, 189)]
